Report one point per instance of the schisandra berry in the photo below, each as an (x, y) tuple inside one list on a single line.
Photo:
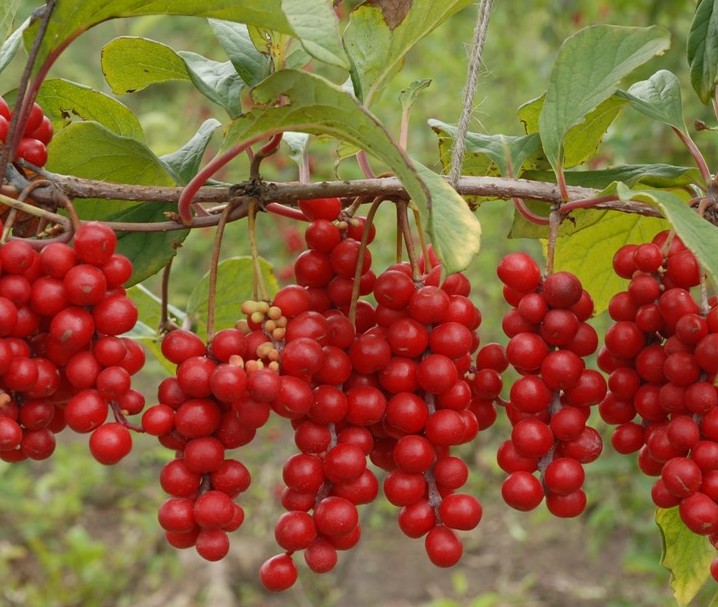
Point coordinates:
[(549, 403)]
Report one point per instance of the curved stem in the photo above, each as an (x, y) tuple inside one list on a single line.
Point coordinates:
[(403, 225), (213, 270), (422, 241), (527, 213), (364, 165), (284, 211), (267, 150), (696, 153), (185, 200)]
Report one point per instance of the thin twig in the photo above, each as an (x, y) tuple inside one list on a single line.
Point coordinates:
[(553, 226), (213, 271), (362, 251)]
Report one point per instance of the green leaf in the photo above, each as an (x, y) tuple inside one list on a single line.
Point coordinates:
[(651, 175), (71, 18), (699, 235), (659, 98), (380, 34), (235, 278), (316, 106), (219, 82), (131, 64), (7, 17), (149, 307), (454, 230), (587, 71), (317, 27), (408, 95), (587, 248), (702, 49), (508, 153), (685, 554), (10, 47), (145, 330), (89, 150), (63, 101), (582, 140), (251, 65), (184, 164)]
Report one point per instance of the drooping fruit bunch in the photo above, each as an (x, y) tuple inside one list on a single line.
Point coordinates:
[(388, 384), (63, 361), (550, 403), (359, 382), (661, 354), (211, 405), (36, 135)]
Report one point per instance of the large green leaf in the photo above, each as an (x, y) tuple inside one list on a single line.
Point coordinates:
[(218, 81), (703, 50), (131, 64), (89, 150), (380, 34), (63, 101), (7, 17), (316, 25), (686, 555), (580, 141), (251, 65), (508, 153), (12, 44), (697, 234), (454, 230), (659, 98), (71, 18), (587, 249), (316, 106), (184, 164), (235, 279), (587, 71)]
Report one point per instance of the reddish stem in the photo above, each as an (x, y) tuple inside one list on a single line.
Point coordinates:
[(586, 203), (696, 153), (185, 201), (284, 211), (527, 213)]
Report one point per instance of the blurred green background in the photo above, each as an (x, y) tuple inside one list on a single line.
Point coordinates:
[(75, 533)]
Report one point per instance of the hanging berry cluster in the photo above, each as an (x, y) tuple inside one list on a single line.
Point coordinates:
[(385, 382), (550, 403), (661, 354), (63, 361)]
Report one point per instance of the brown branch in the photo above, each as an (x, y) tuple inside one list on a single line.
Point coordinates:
[(289, 193)]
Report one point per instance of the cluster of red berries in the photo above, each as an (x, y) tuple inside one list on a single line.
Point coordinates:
[(36, 135), (550, 403), (213, 403), (62, 359), (384, 382), (389, 386), (661, 355)]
